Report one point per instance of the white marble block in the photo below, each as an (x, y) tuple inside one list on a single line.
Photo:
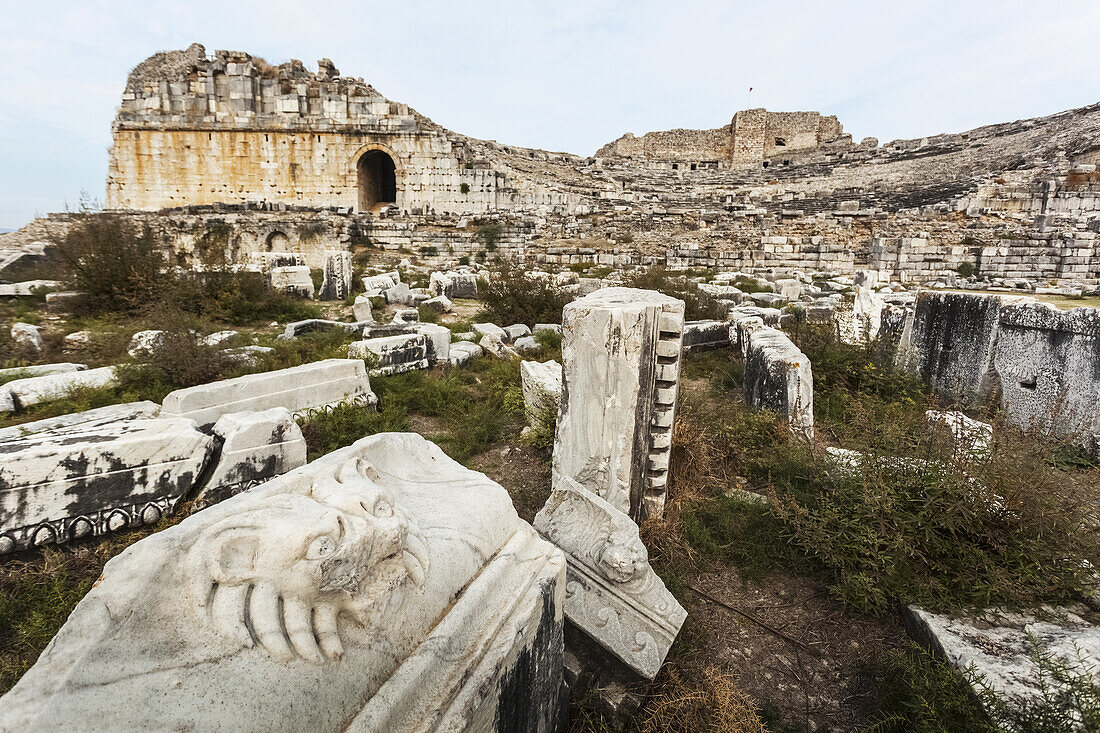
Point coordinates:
[(541, 388), (621, 375), (256, 446), (392, 354), (299, 389), (293, 279), (21, 393), (611, 594), (778, 377), (87, 418), (383, 587), (84, 480)]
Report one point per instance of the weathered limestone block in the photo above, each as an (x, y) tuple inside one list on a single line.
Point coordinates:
[(778, 377), (220, 339), (999, 645), (462, 352), (437, 340), (863, 321), (621, 354), (336, 284), (88, 418), (361, 309), (487, 329), (323, 600), (439, 304), (612, 593), (85, 480), (299, 389), (541, 388), (392, 354), (377, 284), (706, 335), (495, 346), (256, 446), (27, 287), (453, 284), (145, 343), (526, 345), (949, 340), (20, 393), (517, 330), (1048, 365), (971, 438), (294, 280), (28, 335), (40, 370), (298, 328)]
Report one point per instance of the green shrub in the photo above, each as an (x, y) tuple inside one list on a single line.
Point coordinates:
[(327, 430), (966, 269), (490, 234), (700, 306), (465, 188), (117, 267), (512, 296)]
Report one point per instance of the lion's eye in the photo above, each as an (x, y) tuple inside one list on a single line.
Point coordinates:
[(321, 547), (382, 508)]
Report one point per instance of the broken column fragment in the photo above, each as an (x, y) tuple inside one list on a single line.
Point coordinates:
[(336, 284), (621, 375), (612, 594), (778, 376)]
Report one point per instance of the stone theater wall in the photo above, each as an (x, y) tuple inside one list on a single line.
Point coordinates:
[(231, 129)]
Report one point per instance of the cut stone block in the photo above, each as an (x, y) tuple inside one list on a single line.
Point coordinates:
[(88, 418), (220, 339), (28, 335), (972, 438), (495, 346), (518, 330), (41, 370), (438, 341), (621, 353), (526, 345), (552, 327), (299, 389), (25, 288), (361, 309), (541, 388), (392, 354), (612, 593), (462, 352), (439, 304), (298, 328), (1048, 368), (256, 446), (778, 377), (295, 280), (88, 479), (145, 343), (321, 600), (706, 335), (21, 393), (486, 329)]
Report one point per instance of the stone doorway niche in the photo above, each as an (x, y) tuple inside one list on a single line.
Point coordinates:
[(377, 180)]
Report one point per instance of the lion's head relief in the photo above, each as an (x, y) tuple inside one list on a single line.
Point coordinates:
[(283, 572)]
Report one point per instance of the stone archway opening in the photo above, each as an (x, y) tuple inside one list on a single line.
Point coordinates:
[(377, 180)]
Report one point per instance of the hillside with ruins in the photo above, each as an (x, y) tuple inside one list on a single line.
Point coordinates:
[(330, 418)]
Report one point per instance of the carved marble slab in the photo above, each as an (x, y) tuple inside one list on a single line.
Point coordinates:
[(88, 480), (383, 587), (612, 593)]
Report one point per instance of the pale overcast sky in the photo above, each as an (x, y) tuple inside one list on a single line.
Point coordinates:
[(565, 75)]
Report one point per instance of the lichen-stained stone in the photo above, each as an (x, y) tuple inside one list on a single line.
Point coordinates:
[(1048, 366), (392, 354), (706, 335), (1000, 644), (778, 377), (20, 393), (29, 335), (361, 309), (256, 446), (86, 480), (382, 587), (949, 339), (41, 370), (541, 388), (612, 594), (621, 374), (87, 418), (438, 341), (299, 389)]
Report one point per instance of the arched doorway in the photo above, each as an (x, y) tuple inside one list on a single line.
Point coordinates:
[(377, 180)]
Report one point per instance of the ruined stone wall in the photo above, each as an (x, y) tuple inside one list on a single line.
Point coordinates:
[(685, 146), (231, 129)]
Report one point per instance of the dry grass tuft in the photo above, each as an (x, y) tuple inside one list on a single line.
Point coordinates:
[(710, 703)]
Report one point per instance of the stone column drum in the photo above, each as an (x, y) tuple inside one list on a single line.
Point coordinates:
[(621, 375)]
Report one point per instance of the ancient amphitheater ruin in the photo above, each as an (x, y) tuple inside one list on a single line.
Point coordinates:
[(467, 436)]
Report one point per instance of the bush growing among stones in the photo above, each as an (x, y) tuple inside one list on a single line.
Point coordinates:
[(699, 305), (512, 296), (116, 266)]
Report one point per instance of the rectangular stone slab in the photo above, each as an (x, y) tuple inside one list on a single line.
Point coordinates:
[(298, 389), (21, 393), (87, 418), (88, 480)]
